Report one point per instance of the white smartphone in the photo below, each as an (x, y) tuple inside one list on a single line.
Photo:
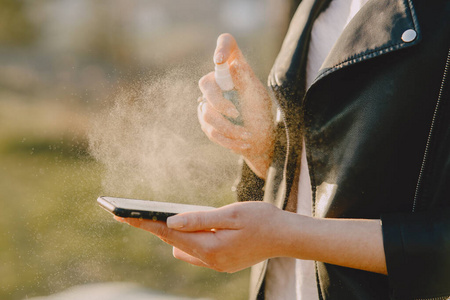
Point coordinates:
[(153, 210)]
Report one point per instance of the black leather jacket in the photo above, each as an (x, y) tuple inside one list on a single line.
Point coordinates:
[(376, 124)]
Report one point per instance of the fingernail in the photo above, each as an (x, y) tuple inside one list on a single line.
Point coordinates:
[(176, 222), (218, 59), (232, 112), (246, 135)]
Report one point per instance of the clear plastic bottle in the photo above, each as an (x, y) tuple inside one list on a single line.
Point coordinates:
[(225, 82)]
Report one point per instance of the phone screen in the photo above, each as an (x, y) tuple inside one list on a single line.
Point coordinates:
[(146, 209)]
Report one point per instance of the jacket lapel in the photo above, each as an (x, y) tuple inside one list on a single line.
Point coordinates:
[(380, 27)]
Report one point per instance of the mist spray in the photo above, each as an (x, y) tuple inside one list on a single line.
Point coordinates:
[(225, 82)]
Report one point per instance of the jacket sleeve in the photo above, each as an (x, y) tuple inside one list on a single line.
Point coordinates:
[(417, 249), (417, 245), (248, 186)]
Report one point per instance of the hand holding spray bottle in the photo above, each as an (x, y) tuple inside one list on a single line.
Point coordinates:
[(225, 82)]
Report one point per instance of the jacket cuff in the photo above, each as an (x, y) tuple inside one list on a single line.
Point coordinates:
[(417, 247), (248, 186)]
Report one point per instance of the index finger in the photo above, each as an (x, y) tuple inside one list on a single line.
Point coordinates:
[(185, 241), (226, 49)]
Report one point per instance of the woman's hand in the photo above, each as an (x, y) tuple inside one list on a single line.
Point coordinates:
[(239, 235), (227, 239), (255, 139)]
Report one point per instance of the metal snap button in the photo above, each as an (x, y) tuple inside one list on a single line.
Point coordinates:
[(409, 35)]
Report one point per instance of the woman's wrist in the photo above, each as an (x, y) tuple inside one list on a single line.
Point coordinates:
[(259, 156), (353, 243), (290, 230), (259, 165)]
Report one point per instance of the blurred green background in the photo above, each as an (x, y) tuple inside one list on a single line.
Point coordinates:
[(73, 76)]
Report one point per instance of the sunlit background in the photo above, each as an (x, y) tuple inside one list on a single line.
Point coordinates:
[(99, 98)]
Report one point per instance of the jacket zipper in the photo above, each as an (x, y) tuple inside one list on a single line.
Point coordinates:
[(430, 136), (438, 298), (427, 150)]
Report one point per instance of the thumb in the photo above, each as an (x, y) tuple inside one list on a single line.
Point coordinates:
[(226, 49), (220, 218)]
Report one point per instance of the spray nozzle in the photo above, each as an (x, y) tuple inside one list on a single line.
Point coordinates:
[(223, 77)]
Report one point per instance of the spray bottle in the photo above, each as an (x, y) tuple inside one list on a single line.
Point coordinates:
[(225, 82)]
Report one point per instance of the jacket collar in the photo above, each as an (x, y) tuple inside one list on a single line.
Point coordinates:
[(377, 29), (380, 27), (292, 56)]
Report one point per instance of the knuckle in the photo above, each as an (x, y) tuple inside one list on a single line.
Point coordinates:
[(200, 221), (234, 214), (215, 135), (163, 233), (222, 106), (210, 133), (206, 81), (202, 82), (206, 115), (211, 118), (201, 112)]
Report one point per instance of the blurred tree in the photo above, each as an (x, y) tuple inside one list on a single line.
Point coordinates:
[(107, 37), (15, 28)]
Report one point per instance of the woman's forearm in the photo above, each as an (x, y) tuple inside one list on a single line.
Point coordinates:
[(352, 243)]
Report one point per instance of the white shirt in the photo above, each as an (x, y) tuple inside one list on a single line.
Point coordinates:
[(289, 278)]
